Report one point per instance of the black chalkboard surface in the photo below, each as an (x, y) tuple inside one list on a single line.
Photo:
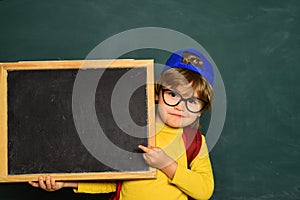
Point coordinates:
[(50, 126)]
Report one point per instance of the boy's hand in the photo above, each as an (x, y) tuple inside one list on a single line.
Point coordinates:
[(49, 184), (156, 157)]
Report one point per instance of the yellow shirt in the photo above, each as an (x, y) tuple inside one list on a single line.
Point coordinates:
[(197, 182)]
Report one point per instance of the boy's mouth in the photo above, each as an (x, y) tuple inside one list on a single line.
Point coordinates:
[(177, 115)]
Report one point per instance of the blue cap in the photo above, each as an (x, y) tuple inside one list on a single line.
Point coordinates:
[(206, 70)]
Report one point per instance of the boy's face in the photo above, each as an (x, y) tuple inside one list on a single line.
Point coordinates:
[(176, 116)]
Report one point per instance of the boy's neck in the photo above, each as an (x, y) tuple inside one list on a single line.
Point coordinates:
[(162, 126)]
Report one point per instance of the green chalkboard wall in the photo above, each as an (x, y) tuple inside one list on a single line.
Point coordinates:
[(255, 44)]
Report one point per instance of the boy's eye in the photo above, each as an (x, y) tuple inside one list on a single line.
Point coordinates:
[(173, 94), (193, 101)]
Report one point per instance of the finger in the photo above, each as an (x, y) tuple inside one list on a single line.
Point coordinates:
[(145, 149), (145, 157), (41, 182), (156, 149), (34, 184), (52, 181), (48, 183), (147, 160)]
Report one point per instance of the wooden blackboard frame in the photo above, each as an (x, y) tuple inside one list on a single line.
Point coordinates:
[(73, 64)]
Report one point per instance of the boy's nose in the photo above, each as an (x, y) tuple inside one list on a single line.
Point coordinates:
[(180, 106)]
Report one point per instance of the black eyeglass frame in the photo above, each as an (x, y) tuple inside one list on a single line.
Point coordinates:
[(182, 99)]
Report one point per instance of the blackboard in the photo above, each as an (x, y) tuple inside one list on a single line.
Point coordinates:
[(50, 128)]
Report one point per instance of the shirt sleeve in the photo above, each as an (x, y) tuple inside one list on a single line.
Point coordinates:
[(95, 187), (197, 182)]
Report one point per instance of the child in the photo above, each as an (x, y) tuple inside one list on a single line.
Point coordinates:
[(182, 92)]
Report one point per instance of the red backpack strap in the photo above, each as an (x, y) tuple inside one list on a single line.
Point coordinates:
[(193, 141), (116, 195)]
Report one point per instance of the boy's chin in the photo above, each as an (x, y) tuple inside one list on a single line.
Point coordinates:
[(174, 124)]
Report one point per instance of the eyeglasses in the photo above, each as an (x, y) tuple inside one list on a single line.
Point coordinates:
[(173, 98)]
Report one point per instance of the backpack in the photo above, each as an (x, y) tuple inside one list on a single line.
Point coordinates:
[(192, 140)]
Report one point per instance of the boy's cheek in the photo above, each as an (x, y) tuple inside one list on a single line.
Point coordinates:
[(162, 114)]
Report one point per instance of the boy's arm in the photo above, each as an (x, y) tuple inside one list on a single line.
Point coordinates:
[(197, 182), (50, 184), (95, 187)]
